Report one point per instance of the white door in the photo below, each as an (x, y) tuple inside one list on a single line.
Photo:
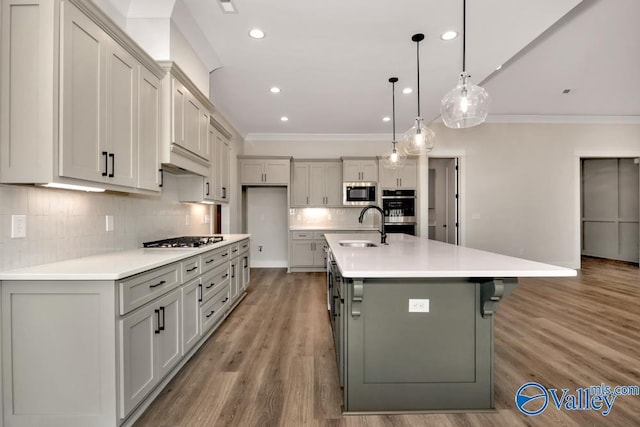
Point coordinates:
[(168, 342), (300, 185), (190, 315), (148, 131), (333, 184), (267, 213), (317, 184)]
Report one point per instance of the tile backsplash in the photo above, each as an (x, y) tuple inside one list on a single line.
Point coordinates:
[(330, 217), (63, 224)]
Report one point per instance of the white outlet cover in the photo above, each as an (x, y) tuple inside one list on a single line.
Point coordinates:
[(109, 222), (18, 226), (418, 305)]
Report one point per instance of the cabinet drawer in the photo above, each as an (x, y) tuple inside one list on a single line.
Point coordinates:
[(213, 310), (190, 268), (302, 235), (213, 281), (234, 249), (244, 246), (211, 260), (142, 288), (319, 235)]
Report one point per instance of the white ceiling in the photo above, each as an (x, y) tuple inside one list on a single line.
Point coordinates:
[(332, 59)]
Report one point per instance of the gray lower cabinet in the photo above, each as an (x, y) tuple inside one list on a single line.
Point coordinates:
[(78, 353)]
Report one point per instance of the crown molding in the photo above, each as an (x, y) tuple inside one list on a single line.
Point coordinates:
[(316, 137)]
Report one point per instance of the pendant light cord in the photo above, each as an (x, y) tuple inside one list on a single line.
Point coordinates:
[(393, 109), (464, 35), (418, 68)]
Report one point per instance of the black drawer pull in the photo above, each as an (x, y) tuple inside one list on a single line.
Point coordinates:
[(225, 254), (189, 270), (210, 314), (210, 286), (113, 165), (209, 261), (225, 275), (157, 331), (244, 246), (106, 163), (225, 300), (160, 283), (200, 296), (234, 251), (161, 327)]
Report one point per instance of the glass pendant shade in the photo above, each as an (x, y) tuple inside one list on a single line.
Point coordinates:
[(419, 139), (394, 159), (466, 105)]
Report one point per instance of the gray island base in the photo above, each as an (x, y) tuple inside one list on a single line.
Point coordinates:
[(413, 321)]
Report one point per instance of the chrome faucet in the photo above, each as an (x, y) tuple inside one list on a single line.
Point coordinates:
[(383, 234)]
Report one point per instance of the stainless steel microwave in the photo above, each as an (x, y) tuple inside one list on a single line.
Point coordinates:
[(359, 193)]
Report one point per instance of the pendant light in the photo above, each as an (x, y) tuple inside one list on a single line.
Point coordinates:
[(419, 139), (466, 105), (394, 159)]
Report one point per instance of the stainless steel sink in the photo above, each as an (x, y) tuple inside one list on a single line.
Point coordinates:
[(357, 243)]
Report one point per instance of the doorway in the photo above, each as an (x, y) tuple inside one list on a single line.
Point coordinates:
[(443, 203), (266, 215), (610, 208)]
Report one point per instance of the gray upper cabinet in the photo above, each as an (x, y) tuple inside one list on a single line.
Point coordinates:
[(317, 184), (261, 171), (355, 170), (405, 177), (92, 120)]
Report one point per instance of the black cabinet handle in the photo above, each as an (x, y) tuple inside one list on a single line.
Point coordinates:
[(160, 283), (225, 300), (224, 192), (209, 261), (189, 270), (210, 314), (225, 254), (225, 276), (106, 163), (210, 286), (246, 262), (234, 251), (161, 177), (162, 327), (233, 271), (112, 156), (157, 331), (200, 296), (207, 185)]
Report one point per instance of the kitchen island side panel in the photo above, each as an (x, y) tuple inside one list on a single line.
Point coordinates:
[(405, 361)]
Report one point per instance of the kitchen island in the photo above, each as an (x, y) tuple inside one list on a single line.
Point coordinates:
[(413, 320)]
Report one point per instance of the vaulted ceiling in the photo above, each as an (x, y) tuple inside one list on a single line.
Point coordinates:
[(332, 59)]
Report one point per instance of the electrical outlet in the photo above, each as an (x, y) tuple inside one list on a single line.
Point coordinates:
[(418, 306), (109, 222), (18, 226), (205, 219)]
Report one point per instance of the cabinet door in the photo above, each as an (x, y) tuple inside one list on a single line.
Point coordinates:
[(190, 315), (179, 96), (148, 131), (389, 177), (122, 117), (251, 171), (317, 184), (234, 282), (408, 175), (192, 113), (302, 253), (369, 170), (138, 373), (210, 182), (300, 185), (333, 184), (205, 149), (246, 271), (319, 255), (224, 168), (277, 171), (351, 170), (83, 91), (168, 341)]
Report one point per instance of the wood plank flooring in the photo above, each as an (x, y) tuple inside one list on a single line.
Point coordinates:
[(272, 362)]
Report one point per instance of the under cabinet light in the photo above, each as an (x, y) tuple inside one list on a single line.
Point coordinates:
[(73, 187)]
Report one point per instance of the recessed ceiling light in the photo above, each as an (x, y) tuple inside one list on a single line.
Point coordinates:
[(227, 6), (386, 119), (284, 119), (449, 35), (407, 90), (256, 33), (275, 89)]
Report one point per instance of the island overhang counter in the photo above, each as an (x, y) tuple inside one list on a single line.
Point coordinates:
[(413, 320)]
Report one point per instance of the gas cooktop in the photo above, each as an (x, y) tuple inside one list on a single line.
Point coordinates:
[(184, 242)]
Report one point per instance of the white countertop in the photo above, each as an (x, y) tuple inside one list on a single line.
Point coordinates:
[(333, 228), (114, 265), (409, 256)]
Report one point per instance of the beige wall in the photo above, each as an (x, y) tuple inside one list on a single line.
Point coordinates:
[(520, 182)]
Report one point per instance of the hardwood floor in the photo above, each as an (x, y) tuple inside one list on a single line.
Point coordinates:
[(272, 362)]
